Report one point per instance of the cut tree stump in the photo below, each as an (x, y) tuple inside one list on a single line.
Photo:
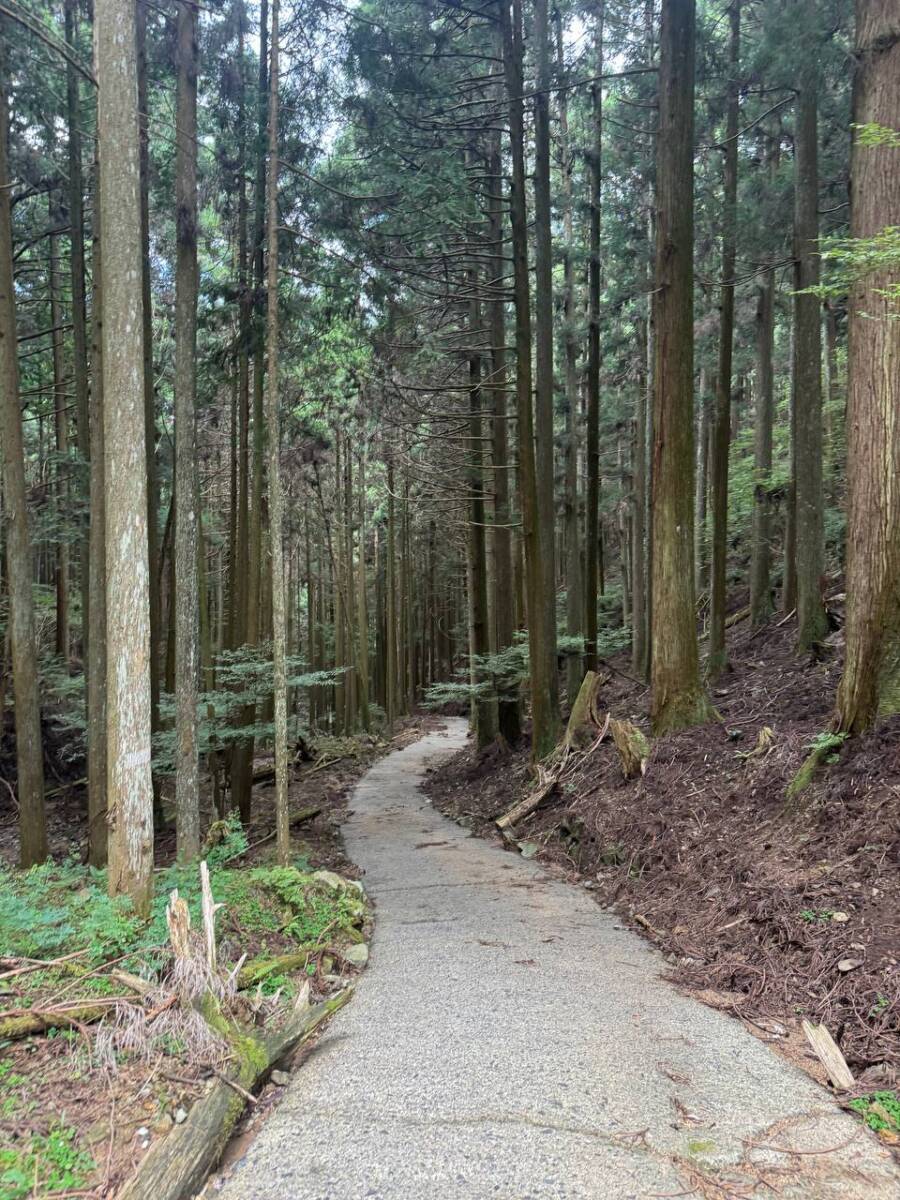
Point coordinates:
[(633, 747), (584, 717), (176, 1167)]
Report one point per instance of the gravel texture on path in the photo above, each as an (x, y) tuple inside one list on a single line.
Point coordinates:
[(510, 1040)]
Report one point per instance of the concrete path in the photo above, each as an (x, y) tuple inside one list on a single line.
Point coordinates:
[(509, 1040)]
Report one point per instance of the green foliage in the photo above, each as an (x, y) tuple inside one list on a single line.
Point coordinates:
[(314, 908), (48, 1163), (846, 260), (243, 680), (827, 745), (811, 915), (47, 910), (876, 135), (879, 1110), (53, 910)]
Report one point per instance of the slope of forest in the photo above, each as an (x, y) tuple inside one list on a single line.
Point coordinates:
[(772, 909)]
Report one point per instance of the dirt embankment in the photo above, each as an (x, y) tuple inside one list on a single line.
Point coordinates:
[(774, 915)]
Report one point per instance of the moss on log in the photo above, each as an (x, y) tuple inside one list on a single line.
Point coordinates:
[(258, 969), (176, 1167), (36, 1020)]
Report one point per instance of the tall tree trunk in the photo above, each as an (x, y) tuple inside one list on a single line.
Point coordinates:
[(702, 456), (541, 606), (760, 548), (362, 607), (717, 656), (572, 538), (129, 786), (238, 574), (29, 749), (242, 758), (870, 684), (501, 540), (97, 663), (149, 399), (79, 315), (807, 416), (484, 710), (543, 346), (592, 513), (638, 525), (187, 775), (678, 697), (276, 499), (62, 450), (391, 606)]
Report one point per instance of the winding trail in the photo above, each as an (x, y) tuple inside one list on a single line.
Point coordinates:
[(510, 1040)]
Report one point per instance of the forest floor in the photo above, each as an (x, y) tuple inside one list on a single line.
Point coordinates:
[(84, 1100), (769, 912)]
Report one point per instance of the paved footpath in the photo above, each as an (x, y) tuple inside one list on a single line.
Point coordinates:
[(509, 1040)]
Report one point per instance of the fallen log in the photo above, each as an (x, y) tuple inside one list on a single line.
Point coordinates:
[(26, 1022), (261, 968), (736, 617), (529, 804), (177, 1166)]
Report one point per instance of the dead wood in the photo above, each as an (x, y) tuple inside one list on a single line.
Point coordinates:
[(26, 1022), (632, 746), (828, 1054), (177, 1166)]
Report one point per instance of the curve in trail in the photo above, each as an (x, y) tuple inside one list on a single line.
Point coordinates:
[(510, 1039)]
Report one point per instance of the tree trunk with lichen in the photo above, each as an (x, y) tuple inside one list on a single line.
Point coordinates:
[(129, 783)]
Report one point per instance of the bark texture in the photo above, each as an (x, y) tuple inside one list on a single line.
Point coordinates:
[(129, 783), (807, 415), (871, 681), (678, 698), (187, 767), (29, 752), (717, 657)]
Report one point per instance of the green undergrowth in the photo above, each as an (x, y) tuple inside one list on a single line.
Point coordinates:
[(58, 909), (44, 1164), (880, 1111)]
